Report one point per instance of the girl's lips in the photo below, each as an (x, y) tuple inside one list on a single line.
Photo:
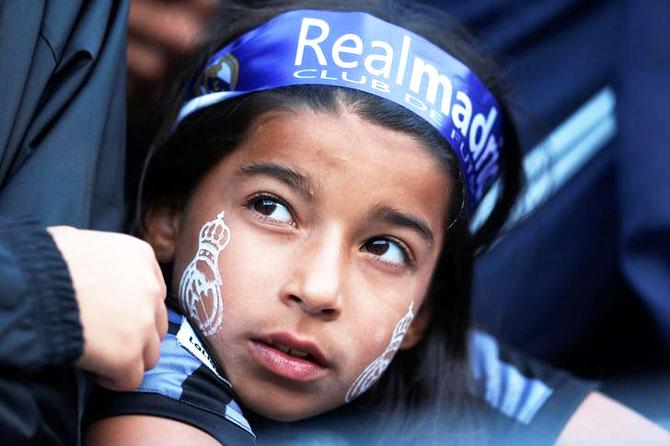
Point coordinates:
[(269, 355)]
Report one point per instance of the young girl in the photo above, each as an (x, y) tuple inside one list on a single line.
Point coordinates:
[(311, 200)]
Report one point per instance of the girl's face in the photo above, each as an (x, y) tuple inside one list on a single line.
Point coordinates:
[(334, 227)]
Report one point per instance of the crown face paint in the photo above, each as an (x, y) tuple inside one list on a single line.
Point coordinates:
[(374, 371), (359, 51), (200, 284)]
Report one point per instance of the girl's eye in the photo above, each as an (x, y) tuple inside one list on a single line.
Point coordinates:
[(272, 209), (388, 251)]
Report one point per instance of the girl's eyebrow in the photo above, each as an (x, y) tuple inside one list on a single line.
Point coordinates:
[(398, 218), (302, 184), (286, 175)]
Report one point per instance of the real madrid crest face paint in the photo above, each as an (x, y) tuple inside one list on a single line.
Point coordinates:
[(201, 283), (374, 371)]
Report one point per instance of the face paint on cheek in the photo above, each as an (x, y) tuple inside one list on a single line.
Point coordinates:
[(372, 372), (200, 284)]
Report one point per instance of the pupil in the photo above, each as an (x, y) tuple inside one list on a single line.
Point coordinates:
[(265, 207), (378, 247)]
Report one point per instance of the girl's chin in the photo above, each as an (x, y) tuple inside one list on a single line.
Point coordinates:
[(287, 414), (271, 395)]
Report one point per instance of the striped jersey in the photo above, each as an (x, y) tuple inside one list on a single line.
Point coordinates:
[(527, 398)]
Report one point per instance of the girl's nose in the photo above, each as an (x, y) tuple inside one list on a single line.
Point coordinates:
[(316, 282)]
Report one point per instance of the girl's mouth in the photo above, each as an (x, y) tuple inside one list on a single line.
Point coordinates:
[(288, 357)]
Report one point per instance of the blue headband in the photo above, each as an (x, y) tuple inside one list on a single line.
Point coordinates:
[(359, 51)]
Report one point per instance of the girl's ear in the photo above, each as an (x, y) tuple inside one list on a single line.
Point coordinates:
[(418, 327), (162, 230)]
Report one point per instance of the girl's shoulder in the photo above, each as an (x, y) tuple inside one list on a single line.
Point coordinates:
[(185, 386)]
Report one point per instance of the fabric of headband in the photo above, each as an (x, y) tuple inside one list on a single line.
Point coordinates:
[(359, 51)]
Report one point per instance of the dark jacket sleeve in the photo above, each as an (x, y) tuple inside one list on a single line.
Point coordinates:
[(40, 339), (39, 319)]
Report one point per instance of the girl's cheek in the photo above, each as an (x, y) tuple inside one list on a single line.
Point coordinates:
[(253, 269), (374, 371), (200, 286)]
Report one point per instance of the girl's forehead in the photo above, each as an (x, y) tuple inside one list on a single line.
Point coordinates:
[(341, 151), (341, 139)]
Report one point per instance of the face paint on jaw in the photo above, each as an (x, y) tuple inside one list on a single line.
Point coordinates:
[(200, 284), (374, 371)]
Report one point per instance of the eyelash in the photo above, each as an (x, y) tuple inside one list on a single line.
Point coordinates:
[(408, 259), (264, 196)]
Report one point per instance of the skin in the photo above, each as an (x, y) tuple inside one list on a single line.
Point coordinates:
[(600, 420), (374, 370)]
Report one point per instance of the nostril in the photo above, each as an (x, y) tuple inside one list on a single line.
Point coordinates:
[(329, 312), (318, 307)]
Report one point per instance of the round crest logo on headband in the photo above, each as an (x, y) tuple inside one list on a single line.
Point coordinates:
[(359, 51), (221, 74)]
